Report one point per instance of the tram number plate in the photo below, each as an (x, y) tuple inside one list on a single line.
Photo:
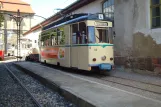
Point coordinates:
[(105, 66)]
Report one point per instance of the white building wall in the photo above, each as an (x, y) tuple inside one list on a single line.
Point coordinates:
[(94, 7), (34, 36)]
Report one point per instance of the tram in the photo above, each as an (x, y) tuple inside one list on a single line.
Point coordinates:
[(81, 41)]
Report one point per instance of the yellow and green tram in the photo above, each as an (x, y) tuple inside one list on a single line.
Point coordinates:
[(79, 41)]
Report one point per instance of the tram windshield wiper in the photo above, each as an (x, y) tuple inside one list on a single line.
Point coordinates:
[(99, 39)]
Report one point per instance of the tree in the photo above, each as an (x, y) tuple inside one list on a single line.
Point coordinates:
[(1, 19)]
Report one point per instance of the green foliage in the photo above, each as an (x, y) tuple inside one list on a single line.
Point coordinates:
[(1, 19), (54, 33)]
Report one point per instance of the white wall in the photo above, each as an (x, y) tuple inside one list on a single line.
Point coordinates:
[(34, 36), (94, 7)]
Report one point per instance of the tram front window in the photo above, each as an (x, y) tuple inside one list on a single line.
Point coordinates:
[(97, 35), (101, 35), (91, 34)]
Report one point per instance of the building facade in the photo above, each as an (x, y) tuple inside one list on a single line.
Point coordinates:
[(138, 31), (8, 32)]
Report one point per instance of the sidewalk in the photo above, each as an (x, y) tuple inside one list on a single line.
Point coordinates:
[(86, 93)]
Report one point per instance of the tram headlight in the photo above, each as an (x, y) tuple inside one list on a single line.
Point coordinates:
[(111, 59), (94, 59), (103, 58)]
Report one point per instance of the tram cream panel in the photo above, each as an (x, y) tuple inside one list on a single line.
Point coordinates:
[(74, 57), (98, 52), (79, 57), (83, 57)]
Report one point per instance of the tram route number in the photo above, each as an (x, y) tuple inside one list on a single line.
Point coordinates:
[(100, 16)]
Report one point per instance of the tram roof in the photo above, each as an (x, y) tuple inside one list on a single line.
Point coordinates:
[(73, 19)]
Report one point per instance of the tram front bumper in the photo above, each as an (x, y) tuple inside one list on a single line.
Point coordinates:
[(103, 66)]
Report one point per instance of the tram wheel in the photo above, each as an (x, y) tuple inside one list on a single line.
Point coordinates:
[(58, 64)]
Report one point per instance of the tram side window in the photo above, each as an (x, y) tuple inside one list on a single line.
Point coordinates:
[(62, 36), (42, 40), (42, 43), (74, 33), (58, 36), (83, 33), (53, 40), (111, 36), (47, 40)]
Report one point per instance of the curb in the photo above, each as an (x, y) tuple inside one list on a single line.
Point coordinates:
[(79, 102)]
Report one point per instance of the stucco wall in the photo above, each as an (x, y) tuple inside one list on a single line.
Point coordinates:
[(34, 36), (94, 7), (137, 45)]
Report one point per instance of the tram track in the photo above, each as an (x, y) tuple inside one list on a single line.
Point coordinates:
[(149, 87), (136, 81), (43, 95), (23, 86)]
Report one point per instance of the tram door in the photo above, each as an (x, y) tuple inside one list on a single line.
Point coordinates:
[(74, 48)]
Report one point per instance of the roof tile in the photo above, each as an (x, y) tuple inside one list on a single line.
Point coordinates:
[(14, 5)]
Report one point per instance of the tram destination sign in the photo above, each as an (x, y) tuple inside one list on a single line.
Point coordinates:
[(101, 24)]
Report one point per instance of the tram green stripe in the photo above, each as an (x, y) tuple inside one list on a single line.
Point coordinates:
[(103, 45), (75, 45)]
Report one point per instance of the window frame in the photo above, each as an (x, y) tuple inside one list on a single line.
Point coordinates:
[(151, 14), (104, 7)]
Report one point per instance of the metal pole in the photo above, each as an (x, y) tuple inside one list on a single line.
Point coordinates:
[(19, 32)]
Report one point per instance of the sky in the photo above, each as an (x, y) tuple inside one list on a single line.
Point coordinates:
[(47, 8)]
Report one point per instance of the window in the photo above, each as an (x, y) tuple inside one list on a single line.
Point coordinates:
[(91, 34), (79, 35), (54, 37), (108, 8), (155, 13), (82, 29), (74, 33), (62, 36), (102, 35)]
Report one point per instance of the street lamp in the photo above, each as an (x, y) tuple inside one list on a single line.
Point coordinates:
[(18, 20)]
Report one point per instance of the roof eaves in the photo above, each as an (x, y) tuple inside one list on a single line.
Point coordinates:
[(53, 17)]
